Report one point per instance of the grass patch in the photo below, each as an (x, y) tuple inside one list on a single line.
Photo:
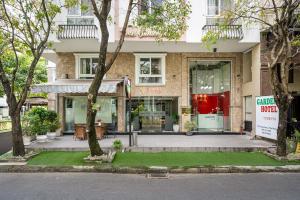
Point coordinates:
[(59, 158), (190, 159), (169, 159)]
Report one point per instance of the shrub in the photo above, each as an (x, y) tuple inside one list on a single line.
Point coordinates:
[(117, 145), (190, 125)]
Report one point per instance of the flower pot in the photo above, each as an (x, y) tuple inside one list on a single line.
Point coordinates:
[(189, 133), (175, 127), (51, 135), (26, 140), (41, 138)]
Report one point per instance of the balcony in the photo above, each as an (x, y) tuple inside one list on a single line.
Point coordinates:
[(225, 32), (77, 32)]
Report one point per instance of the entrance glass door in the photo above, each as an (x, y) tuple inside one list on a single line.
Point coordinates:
[(210, 95), (153, 114)]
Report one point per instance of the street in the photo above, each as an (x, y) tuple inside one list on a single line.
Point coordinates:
[(5, 142), (130, 187)]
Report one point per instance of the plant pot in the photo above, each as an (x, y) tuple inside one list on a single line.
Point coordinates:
[(189, 133), (51, 135), (41, 138), (26, 140), (175, 127)]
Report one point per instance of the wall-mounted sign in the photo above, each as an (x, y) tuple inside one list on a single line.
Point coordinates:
[(267, 117)]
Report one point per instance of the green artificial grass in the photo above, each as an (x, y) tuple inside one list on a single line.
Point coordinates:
[(59, 158), (192, 159), (168, 159)]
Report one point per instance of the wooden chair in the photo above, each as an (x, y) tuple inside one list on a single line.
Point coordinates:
[(100, 131), (80, 132)]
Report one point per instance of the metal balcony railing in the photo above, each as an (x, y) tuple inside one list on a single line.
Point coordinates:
[(226, 32), (77, 31)]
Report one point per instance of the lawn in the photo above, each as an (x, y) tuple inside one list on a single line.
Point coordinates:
[(59, 158), (189, 159), (169, 159)]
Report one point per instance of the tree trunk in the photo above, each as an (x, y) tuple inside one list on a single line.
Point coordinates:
[(283, 102), (91, 115), (18, 146), (91, 131)]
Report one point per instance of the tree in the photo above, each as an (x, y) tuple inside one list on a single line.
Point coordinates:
[(167, 18), (40, 73), (25, 29), (278, 18)]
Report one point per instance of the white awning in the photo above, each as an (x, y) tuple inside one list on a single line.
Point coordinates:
[(75, 86)]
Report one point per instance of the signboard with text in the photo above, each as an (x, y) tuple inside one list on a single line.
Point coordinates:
[(267, 117)]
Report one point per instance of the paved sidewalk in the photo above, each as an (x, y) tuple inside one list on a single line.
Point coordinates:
[(163, 143)]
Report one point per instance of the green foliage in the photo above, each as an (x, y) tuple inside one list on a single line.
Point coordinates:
[(117, 145), (39, 120), (9, 62), (52, 121), (190, 125), (175, 118), (168, 19)]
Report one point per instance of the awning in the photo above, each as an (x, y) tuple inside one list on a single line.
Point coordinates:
[(75, 86)]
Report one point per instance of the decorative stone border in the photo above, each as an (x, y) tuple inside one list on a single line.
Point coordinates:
[(129, 170)]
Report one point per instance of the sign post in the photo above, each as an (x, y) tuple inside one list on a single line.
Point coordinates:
[(267, 117), (127, 82)]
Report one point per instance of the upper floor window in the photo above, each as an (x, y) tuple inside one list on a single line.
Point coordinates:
[(86, 65), (78, 16), (148, 5), (213, 7), (150, 69), (216, 7)]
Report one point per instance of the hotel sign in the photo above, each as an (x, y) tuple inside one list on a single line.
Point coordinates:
[(267, 117)]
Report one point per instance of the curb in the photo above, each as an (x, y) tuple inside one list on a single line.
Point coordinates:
[(128, 170)]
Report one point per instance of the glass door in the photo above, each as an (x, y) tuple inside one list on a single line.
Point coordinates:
[(210, 95)]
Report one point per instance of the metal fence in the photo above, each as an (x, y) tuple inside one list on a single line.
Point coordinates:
[(226, 31), (77, 31)]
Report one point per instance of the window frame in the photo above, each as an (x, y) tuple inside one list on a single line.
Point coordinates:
[(78, 57), (80, 15), (219, 9), (149, 2), (80, 12), (138, 75)]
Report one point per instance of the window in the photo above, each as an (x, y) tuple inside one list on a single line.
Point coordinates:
[(86, 65), (150, 69), (81, 17), (148, 5), (216, 7), (213, 7)]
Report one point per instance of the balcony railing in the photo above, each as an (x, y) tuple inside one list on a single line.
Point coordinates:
[(77, 31), (226, 32)]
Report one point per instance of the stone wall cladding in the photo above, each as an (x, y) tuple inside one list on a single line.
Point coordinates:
[(66, 65), (177, 78)]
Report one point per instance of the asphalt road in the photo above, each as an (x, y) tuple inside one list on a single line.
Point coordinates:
[(44, 186), (5, 142)]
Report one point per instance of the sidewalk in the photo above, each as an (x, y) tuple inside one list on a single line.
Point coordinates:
[(163, 143)]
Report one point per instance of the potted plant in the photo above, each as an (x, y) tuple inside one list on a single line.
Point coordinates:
[(175, 118), (38, 124), (190, 126), (117, 145), (52, 123), (28, 135)]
